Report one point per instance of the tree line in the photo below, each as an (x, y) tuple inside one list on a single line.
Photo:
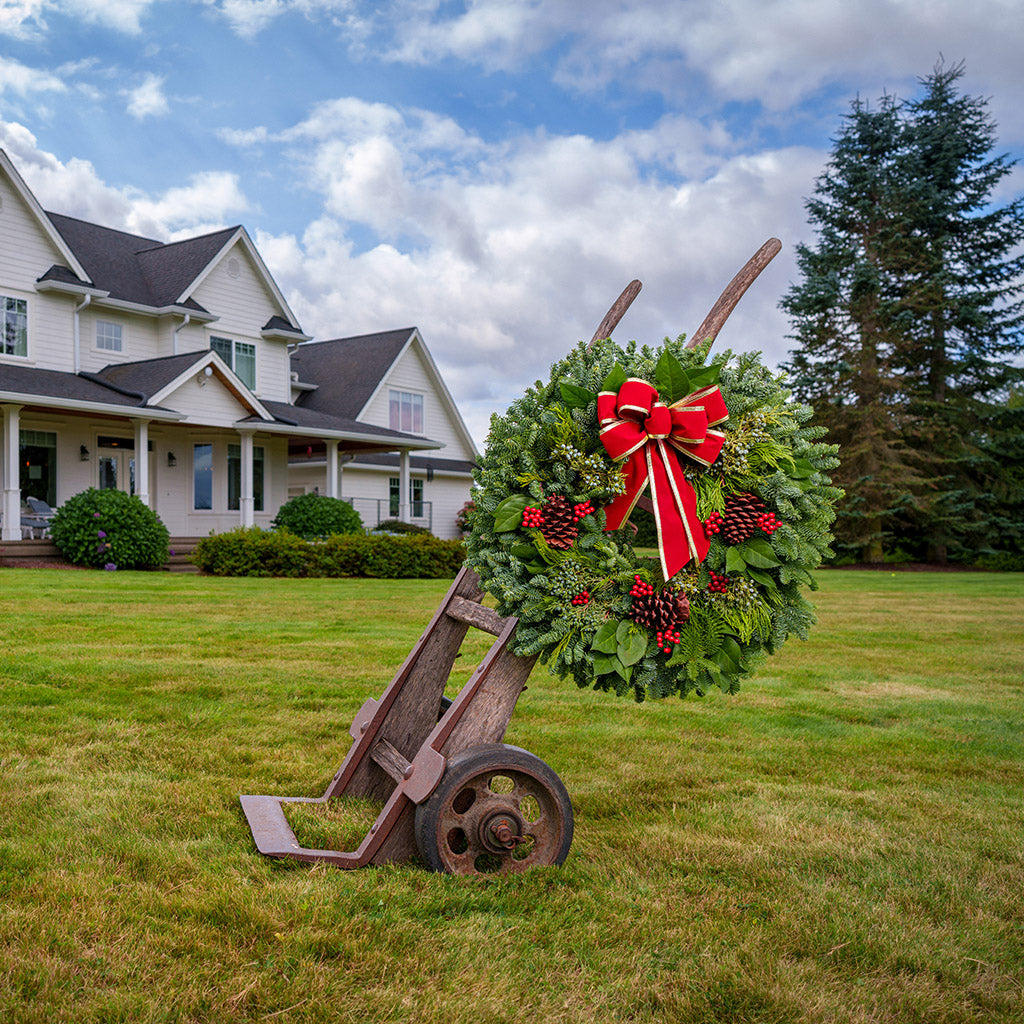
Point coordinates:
[(908, 323)]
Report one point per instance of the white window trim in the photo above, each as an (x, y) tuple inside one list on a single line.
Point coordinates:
[(4, 296), (403, 393), (120, 337)]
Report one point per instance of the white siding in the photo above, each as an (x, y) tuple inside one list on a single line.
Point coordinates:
[(25, 255), (243, 304), (141, 338), (209, 403), (411, 372)]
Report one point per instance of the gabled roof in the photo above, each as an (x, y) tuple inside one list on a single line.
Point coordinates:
[(347, 371), (135, 269)]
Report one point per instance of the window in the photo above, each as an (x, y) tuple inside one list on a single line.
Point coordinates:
[(108, 336), (235, 477), (202, 476), (405, 412), (14, 314), (37, 454), (240, 356), (394, 497)]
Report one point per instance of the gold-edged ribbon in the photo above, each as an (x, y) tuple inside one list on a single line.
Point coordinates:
[(649, 437)]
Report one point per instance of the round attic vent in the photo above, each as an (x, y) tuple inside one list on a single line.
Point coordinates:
[(234, 267)]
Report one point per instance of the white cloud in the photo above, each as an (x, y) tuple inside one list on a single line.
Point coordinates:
[(209, 200), (26, 19), (248, 18), (148, 99), (23, 80), (507, 260)]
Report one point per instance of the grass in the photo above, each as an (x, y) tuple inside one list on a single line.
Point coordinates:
[(840, 842)]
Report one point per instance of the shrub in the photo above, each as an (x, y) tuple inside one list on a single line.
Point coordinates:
[(109, 529), (463, 516), (397, 526), (313, 516), (256, 552), (1001, 561), (253, 552)]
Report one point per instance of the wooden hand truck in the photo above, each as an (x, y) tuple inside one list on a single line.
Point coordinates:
[(452, 790)]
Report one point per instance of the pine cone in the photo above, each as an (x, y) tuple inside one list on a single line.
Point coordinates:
[(559, 529), (740, 518), (661, 611)]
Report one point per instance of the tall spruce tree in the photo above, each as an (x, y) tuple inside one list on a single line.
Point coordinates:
[(968, 322), (848, 314), (908, 319)]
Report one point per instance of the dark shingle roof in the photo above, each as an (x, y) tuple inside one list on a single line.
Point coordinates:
[(298, 416), (137, 269), (420, 462), (149, 376), (28, 381), (346, 371)]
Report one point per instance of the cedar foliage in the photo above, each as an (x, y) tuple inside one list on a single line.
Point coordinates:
[(908, 322)]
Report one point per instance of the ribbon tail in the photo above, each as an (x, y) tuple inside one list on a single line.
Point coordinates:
[(635, 475), (680, 535)]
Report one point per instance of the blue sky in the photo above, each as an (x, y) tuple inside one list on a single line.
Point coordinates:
[(494, 172)]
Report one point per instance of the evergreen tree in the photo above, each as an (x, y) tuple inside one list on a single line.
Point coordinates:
[(968, 315), (848, 315), (908, 318)]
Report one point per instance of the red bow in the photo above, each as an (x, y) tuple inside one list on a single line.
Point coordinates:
[(636, 426)]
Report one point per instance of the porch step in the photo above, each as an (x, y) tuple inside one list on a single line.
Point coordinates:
[(42, 554)]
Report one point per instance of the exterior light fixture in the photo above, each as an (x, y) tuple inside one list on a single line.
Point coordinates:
[(83, 453), (171, 460)]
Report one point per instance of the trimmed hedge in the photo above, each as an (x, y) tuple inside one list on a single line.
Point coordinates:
[(256, 552)]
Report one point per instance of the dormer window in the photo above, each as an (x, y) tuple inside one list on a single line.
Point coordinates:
[(108, 336), (240, 356), (405, 412), (14, 325)]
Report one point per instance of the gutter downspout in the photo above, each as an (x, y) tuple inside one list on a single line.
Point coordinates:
[(78, 333), (174, 341)]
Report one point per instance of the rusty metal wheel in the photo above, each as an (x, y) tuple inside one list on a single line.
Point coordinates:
[(498, 809)]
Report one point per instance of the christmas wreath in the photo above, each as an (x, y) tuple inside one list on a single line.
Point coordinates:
[(739, 493)]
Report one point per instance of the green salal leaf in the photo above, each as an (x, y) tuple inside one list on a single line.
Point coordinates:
[(734, 561), (670, 378), (576, 397), (604, 664), (758, 553), (605, 640), (763, 578), (615, 379), (633, 647), (524, 552), (731, 648), (802, 469), (703, 376), (509, 514)]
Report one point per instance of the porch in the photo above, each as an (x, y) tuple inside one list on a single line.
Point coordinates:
[(43, 554)]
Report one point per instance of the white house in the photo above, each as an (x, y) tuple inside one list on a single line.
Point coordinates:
[(113, 345)]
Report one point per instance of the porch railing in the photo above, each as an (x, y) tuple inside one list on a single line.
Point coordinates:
[(374, 511)]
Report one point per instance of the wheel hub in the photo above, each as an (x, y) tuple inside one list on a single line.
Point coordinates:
[(501, 832)]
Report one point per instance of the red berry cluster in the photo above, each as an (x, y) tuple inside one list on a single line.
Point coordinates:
[(581, 510), (641, 589), (583, 597), (666, 639), (767, 522), (718, 584), (713, 524), (532, 517)]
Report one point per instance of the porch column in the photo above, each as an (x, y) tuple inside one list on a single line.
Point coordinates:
[(333, 490), (403, 487), (246, 501), (142, 461), (12, 485)]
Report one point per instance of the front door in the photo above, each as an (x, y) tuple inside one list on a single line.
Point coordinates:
[(116, 470)]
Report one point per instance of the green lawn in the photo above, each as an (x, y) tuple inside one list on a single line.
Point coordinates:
[(842, 841)]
